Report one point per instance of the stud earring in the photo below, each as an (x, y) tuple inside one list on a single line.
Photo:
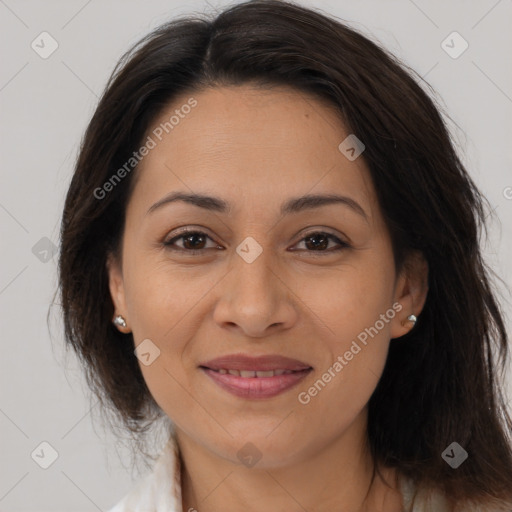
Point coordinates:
[(119, 321), (410, 318)]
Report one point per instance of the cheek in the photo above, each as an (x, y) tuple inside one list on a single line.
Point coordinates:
[(342, 387), (166, 306), (349, 300), (355, 312), (160, 296)]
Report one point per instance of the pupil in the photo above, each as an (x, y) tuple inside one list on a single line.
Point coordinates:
[(191, 237), (323, 244)]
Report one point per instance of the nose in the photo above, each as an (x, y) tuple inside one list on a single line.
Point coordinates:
[(255, 298)]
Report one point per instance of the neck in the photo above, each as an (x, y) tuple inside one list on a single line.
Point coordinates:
[(337, 477)]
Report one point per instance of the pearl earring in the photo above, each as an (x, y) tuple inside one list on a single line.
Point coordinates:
[(119, 321), (411, 318)]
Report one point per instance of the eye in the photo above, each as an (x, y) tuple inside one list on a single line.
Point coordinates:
[(318, 241), (193, 241)]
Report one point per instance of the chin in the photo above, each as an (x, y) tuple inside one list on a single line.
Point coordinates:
[(260, 450)]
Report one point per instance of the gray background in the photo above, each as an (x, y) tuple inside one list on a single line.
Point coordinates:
[(45, 107)]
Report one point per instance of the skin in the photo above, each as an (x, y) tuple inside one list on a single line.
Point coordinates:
[(255, 149)]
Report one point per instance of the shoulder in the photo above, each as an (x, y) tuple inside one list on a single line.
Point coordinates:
[(156, 491), (141, 497), (420, 500)]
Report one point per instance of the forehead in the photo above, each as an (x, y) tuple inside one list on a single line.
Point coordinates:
[(242, 141)]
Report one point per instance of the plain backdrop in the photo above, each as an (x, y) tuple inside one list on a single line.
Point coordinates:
[(46, 104)]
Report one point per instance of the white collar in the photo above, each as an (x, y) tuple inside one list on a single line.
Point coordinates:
[(154, 492)]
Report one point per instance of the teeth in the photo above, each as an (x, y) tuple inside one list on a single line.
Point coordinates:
[(249, 374), (270, 373)]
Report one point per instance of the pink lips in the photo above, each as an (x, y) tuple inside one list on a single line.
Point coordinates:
[(255, 377)]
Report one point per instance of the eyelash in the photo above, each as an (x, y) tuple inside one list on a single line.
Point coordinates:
[(169, 243)]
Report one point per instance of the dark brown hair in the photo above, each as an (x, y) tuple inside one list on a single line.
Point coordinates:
[(440, 383)]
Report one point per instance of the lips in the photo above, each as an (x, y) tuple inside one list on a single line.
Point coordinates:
[(255, 377)]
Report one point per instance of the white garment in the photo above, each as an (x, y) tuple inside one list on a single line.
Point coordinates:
[(155, 494)]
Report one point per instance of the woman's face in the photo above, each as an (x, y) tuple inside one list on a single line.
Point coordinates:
[(314, 282)]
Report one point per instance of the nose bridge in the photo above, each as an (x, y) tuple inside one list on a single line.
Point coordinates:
[(254, 298), (254, 275)]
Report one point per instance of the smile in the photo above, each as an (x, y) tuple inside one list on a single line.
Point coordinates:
[(252, 374), (254, 384)]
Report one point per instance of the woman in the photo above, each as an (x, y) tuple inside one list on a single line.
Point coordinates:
[(270, 241)]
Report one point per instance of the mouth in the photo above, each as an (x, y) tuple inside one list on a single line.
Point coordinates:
[(255, 377), (256, 384), (251, 374)]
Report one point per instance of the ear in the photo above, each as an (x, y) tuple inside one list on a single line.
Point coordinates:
[(117, 292), (411, 291)]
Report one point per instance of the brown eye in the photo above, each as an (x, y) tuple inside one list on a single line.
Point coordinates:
[(318, 241), (193, 241)]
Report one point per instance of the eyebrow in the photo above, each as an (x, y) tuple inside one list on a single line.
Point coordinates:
[(293, 205)]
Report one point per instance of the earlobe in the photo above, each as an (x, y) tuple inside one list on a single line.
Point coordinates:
[(116, 286), (411, 292)]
